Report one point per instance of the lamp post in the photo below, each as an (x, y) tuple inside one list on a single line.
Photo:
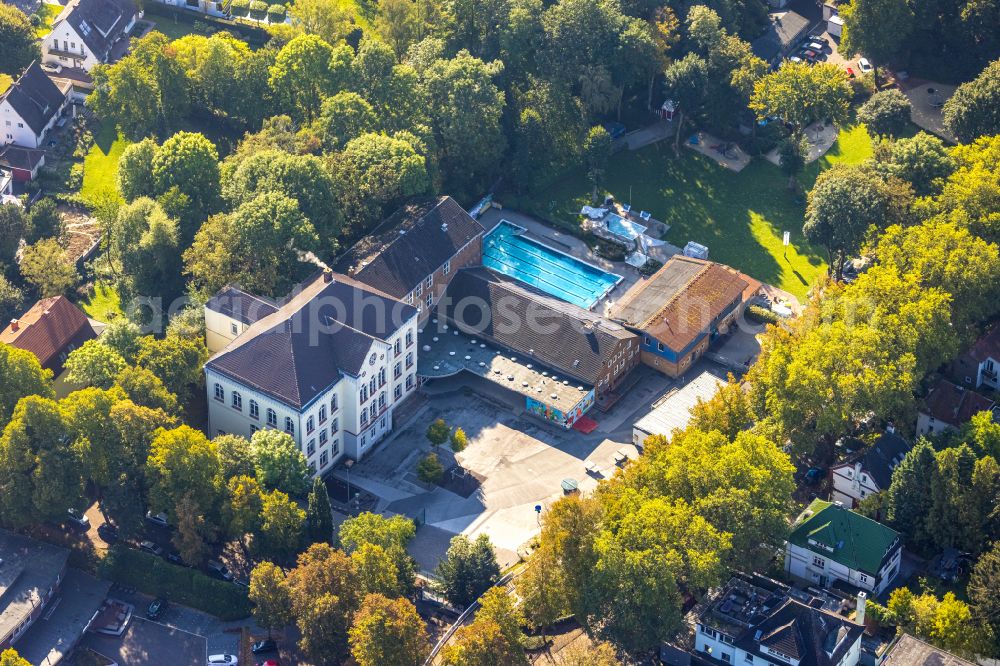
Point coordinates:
[(348, 465)]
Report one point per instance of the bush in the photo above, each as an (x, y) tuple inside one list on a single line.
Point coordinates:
[(650, 267), (767, 138), (458, 440), (75, 177), (276, 13), (258, 9), (606, 249), (430, 469), (886, 113), (239, 7), (159, 578), (761, 315)]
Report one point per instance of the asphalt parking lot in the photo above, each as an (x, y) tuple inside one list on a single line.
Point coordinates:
[(150, 643)]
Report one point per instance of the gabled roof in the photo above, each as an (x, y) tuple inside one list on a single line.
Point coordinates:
[(556, 334), (844, 536), (881, 458), (410, 245), (323, 331), (681, 300), (987, 346), (953, 404), (35, 98), (237, 304), (99, 23), (23, 159), (48, 328)]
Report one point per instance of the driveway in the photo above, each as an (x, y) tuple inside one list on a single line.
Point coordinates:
[(146, 642)]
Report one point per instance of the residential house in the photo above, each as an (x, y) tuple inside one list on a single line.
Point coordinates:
[(870, 472), (681, 309), (90, 32), (584, 349), (414, 254), (30, 576), (948, 405), (979, 366), (30, 108), (22, 163), (784, 31), (329, 366), (754, 620), (910, 651), (50, 330), (830, 543)]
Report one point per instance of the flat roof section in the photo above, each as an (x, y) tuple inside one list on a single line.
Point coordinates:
[(674, 410), (443, 354), (28, 568)]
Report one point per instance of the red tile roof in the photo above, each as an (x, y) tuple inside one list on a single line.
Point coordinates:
[(953, 404), (48, 328), (988, 346)]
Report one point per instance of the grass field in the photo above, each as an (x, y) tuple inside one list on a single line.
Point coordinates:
[(48, 13), (739, 216), (100, 166), (104, 305)]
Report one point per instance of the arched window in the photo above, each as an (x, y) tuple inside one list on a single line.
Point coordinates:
[(289, 426), (254, 410), (237, 401), (220, 394), (272, 418)]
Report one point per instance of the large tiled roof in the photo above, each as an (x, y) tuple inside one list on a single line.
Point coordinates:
[(237, 304), (321, 332), (681, 300), (844, 536), (988, 346), (48, 328), (953, 404), (410, 245), (35, 98), (100, 23), (556, 334), (24, 159)]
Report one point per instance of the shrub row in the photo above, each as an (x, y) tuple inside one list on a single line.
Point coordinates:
[(253, 34), (761, 315), (158, 577), (276, 13)]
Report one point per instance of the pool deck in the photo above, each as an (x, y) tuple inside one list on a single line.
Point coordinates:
[(573, 246)]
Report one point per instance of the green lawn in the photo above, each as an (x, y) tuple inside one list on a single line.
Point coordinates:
[(48, 13), (739, 216), (171, 27), (104, 305), (100, 166)]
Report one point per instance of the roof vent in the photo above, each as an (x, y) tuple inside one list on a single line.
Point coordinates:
[(444, 226), (14, 324)]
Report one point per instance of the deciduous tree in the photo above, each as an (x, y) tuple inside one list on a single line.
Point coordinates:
[(47, 267), (271, 597), (18, 44), (468, 569), (388, 631), (282, 523), (22, 376), (278, 462), (319, 515), (974, 110), (886, 113), (183, 463), (94, 364)]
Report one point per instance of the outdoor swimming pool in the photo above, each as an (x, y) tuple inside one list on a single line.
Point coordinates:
[(552, 271), (623, 228)]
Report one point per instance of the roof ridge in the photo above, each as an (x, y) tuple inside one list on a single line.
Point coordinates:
[(653, 317)]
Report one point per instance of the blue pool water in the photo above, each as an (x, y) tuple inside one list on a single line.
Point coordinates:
[(544, 268), (624, 228)]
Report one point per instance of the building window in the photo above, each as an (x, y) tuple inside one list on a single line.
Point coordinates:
[(324, 459), (409, 359), (726, 658), (374, 411), (289, 426), (254, 410), (819, 562), (272, 418), (429, 282), (447, 267), (253, 429), (336, 447), (397, 370), (234, 329), (381, 377), (220, 395), (310, 448), (409, 382), (430, 300), (322, 415), (381, 401), (409, 299), (418, 292), (335, 426), (312, 468), (364, 441), (364, 417), (397, 392), (237, 401), (310, 425), (659, 346), (409, 338), (364, 394), (382, 423), (371, 386), (748, 658), (333, 404), (398, 347), (322, 437)]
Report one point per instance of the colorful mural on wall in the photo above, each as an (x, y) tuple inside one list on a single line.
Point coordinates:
[(566, 420)]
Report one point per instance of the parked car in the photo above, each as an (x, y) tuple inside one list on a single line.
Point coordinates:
[(795, 59), (865, 66), (174, 558), (815, 475), (217, 568), (52, 68), (224, 659), (156, 608), (151, 547), (269, 662), (158, 519), (819, 39), (267, 645), (108, 532), (78, 518), (815, 46)]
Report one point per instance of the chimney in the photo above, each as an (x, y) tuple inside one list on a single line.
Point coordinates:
[(14, 324), (859, 615), (327, 275)]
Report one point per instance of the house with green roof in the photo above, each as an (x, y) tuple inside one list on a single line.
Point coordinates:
[(829, 543)]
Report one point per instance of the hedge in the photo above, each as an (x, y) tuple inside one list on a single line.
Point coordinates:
[(240, 7), (276, 13), (159, 578), (258, 9), (253, 34), (762, 315)]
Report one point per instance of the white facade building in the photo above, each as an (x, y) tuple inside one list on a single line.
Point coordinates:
[(329, 366), (89, 32), (30, 108), (869, 473)]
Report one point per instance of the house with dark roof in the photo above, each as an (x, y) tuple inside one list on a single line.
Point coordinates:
[(830, 543), (413, 255), (23, 163), (979, 366), (681, 309), (545, 336), (784, 30), (30, 107), (50, 330), (328, 366), (949, 406), (90, 32), (870, 471), (756, 620)]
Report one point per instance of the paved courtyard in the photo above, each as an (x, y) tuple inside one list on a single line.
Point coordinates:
[(150, 643)]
